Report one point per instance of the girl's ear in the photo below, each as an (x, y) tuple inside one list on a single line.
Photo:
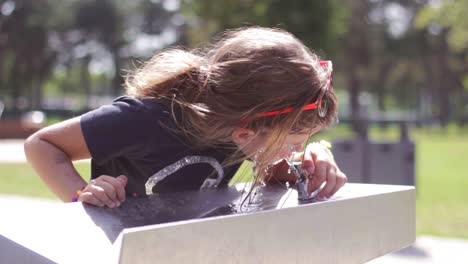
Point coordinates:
[(242, 135)]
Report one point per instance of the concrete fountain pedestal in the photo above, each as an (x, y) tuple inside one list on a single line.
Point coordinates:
[(361, 222)]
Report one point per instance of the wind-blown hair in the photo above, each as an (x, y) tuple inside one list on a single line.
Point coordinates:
[(244, 72)]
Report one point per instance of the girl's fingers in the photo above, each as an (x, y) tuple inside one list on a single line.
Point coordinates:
[(110, 190), (341, 180), (118, 186), (100, 194), (308, 162), (324, 169), (88, 197), (320, 175), (330, 185)]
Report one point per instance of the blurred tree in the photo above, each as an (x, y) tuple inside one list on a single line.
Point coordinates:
[(101, 21), (373, 42), (449, 14), (37, 38), (355, 58), (318, 23), (69, 43), (382, 54), (447, 35), (25, 58)]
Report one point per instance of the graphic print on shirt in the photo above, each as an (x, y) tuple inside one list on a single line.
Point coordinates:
[(189, 160)]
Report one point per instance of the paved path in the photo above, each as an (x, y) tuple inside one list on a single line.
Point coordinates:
[(429, 250), (11, 150)]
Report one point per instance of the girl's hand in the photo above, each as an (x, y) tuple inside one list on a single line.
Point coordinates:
[(104, 191), (321, 167)]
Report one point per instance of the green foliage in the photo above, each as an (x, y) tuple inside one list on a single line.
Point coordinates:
[(318, 23), (465, 83), (447, 25), (449, 14), (50, 47), (38, 37)]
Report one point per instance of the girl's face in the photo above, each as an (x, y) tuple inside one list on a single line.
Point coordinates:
[(253, 145), (293, 143)]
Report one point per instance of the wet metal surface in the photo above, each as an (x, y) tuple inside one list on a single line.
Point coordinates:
[(61, 232), (164, 208)]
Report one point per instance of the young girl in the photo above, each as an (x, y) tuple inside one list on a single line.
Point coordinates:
[(190, 118)]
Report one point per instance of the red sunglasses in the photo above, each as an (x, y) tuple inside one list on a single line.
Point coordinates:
[(310, 106)]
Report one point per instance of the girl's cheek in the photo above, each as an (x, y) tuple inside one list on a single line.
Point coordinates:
[(284, 153)]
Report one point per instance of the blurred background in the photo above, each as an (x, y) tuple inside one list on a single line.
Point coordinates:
[(400, 72)]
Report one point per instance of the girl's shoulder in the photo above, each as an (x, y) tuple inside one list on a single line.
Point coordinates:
[(139, 110), (125, 127), (126, 115), (132, 103)]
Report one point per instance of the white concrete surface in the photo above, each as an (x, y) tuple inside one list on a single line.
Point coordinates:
[(11, 150)]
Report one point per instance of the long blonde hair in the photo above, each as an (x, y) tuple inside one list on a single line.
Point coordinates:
[(244, 72)]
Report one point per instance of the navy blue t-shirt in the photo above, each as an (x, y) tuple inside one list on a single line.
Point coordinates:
[(127, 138)]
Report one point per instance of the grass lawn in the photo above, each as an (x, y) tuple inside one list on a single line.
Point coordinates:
[(441, 169), (20, 179)]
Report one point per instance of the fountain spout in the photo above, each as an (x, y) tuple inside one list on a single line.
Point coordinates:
[(302, 182)]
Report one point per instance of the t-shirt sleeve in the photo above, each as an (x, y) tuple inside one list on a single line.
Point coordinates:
[(119, 129)]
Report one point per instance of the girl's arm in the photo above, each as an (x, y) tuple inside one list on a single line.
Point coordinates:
[(51, 150)]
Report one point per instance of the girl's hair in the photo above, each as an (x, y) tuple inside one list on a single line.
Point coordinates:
[(247, 71)]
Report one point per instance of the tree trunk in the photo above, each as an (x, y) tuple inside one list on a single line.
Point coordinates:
[(118, 80), (444, 83), (428, 63), (85, 79), (15, 85), (356, 52)]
